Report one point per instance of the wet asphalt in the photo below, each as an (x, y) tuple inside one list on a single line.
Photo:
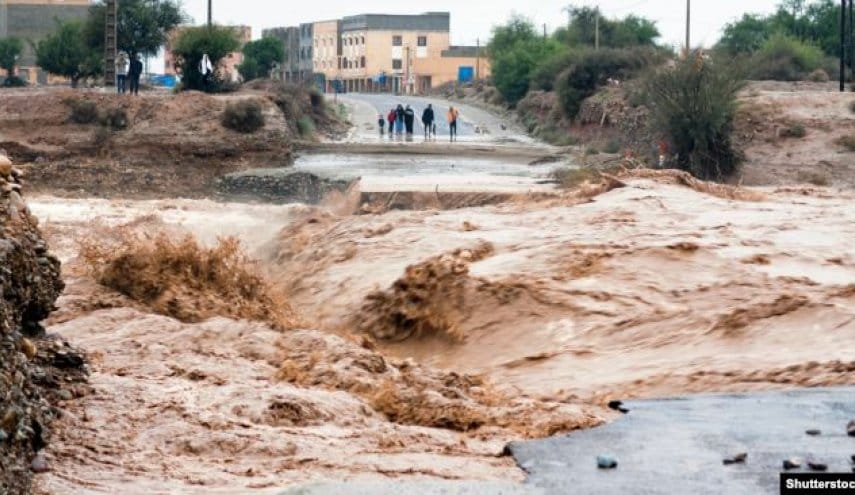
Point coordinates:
[(678, 445)]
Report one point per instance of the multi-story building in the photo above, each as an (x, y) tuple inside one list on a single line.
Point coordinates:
[(326, 42), (457, 63), (380, 52), (289, 70), (307, 43), (32, 21), (228, 65)]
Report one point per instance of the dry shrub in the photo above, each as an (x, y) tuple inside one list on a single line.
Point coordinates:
[(852, 106), (246, 116), (847, 142), (181, 279), (794, 131), (685, 179), (814, 177), (428, 300)]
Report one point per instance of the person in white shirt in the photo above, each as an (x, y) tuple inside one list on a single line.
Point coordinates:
[(121, 72)]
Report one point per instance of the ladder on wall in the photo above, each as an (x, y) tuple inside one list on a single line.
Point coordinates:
[(110, 44)]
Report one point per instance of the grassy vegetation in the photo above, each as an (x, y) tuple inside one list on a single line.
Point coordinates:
[(785, 58)]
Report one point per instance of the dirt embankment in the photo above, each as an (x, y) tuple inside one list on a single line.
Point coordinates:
[(37, 373), (172, 145)]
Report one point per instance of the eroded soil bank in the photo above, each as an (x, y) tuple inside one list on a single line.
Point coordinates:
[(437, 336)]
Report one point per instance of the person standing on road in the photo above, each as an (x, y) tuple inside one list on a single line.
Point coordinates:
[(409, 120), (134, 74), (381, 123), (391, 119), (452, 117), (399, 120), (427, 120), (121, 72)]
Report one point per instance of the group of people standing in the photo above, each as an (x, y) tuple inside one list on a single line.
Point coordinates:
[(403, 118), (128, 70)]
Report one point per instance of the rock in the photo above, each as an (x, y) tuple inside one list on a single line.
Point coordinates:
[(852, 458), (618, 406), (850, 428), (813, 432), (65, 360), (606, 461), (737, 459), (5, 166), (817, 466), (39, 464), (3, 436), (10, 418), (792, 463), (28, 348)]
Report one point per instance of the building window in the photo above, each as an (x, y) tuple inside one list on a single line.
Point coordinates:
[(397, 64), (422, 40), (362, 40), (397, 41), (362, 62)]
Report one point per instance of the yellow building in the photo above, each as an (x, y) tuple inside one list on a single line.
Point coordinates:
[(449, 66), (381, 52), (326, 50)]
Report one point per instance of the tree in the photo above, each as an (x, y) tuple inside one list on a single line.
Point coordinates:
[(614, 33), (65, 53), (10, 50), (142, 26), (816, 23), (517, 30), (260, 57), (193, 43), (515, 52)]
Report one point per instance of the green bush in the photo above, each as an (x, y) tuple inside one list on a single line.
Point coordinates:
[(115, 119), (784, 58), (547, 71), (305, 126), (613, 146), (592, 68), (244, 116), (693, 106), (14, 82), (82, 111), (793, 131)]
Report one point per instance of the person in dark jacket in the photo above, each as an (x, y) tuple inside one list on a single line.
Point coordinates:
[(134, 73), (391, 119), (409, 119), (381, 123), (427, 119), (399, 120)]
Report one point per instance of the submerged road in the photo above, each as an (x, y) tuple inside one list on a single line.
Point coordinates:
[(670, 446)]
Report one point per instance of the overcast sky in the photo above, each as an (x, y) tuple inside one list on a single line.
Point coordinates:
[(471, 19)]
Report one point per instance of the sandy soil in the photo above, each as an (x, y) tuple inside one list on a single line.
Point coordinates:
[(769, 109), (647, 290)]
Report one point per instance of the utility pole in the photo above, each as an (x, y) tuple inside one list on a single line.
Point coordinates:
[(597, 28), (478, 59), (544, 30), (842, 45), (210, 18), (851, 38), (110, 43), (688, 26)]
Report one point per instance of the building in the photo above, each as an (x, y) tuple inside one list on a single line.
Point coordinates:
[(326, 37), (228, 65), (457, 63), (290, 38), (381, 52), (32, 21), (307, 43)]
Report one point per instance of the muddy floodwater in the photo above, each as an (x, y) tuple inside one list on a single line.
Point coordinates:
[(647, 290)]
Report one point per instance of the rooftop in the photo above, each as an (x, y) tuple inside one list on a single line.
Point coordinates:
[(429, 21)]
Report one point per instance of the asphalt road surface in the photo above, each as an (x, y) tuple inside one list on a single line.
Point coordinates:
[(677, 446), (473, 124)]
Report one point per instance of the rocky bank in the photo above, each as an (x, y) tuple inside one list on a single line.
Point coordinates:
[(35, 369)]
